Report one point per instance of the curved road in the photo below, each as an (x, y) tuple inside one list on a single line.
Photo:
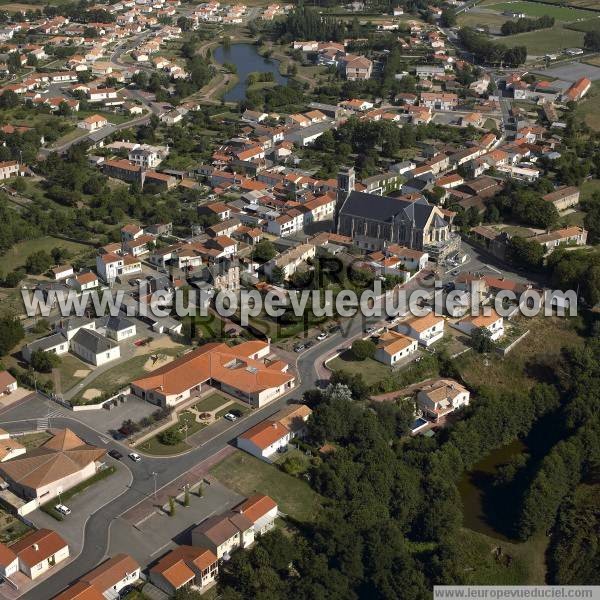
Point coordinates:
[(97, 529)]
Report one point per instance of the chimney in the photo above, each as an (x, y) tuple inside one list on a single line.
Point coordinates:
[(36, 547)]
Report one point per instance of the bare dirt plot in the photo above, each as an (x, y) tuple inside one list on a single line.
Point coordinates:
[(92, 393), (151, 365), (81, 373)]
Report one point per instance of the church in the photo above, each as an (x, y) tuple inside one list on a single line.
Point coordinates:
[(374, 221)]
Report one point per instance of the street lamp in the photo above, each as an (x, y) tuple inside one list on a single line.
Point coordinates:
[(155, 475)]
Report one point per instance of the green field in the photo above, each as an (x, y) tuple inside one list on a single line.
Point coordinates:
[(211, 403), (248, 475), (544, 41), (475, 19), (18, 254), (155, 447), (587, 109), (371, 370), (587, 25), (588, 188), (535, 9)]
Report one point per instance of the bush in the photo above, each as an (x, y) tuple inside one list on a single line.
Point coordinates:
[(171, 437), (363, 349), (44, 362)]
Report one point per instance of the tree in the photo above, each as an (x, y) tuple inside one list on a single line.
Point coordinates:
[(59, 255), (171, 436), (294, 465), (592, 40), (524, 252), (448, 18), (11, 333), (38, 262), (363, 349), (44, 362), (13, 278), (186, 496), (277, 274), (171, 506), (263, 251), (481, 340)]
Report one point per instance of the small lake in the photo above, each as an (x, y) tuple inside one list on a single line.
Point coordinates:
[(247, 60), (473, 485)]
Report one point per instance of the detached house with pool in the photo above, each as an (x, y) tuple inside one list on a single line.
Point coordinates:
[(244, 371)]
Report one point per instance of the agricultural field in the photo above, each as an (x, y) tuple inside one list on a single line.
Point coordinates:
[(585, 26), (17, 255), (544, 41), (482, 19), (535, 9), (587, 108)]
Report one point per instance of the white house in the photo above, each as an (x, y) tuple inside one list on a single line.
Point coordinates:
[(426, 330), (393, 346), (93, 123), (113, 575), (493, 322), (441, 397), (8, 384), (9, 562), (119, 328), (40, 551), (264, 439), (94, 348), (261, 510)]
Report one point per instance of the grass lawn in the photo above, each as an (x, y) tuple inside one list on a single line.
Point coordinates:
[(213, 401), (155, 447), (371, 370), (516, 230), (543, 41), (592, 24), (18, 254), (574, 218), (511, 373), (474, 19), (11, 528), (588, 187), (69, 365), (122, 373), (526, 565), (248, 475), (535, 9), (587, 108), (34, 440)]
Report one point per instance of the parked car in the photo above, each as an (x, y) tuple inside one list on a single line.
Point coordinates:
[(455, 272), (322, 336), (369, 329), (309, 344), (115, 454), (299, 347), (230, 417), (62, 509), (134, 456)]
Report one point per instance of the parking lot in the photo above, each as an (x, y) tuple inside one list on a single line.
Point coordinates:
[(571, 72), (149, 540)]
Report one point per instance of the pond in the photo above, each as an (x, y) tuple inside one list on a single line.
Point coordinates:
[(247, 60), (475, 483)]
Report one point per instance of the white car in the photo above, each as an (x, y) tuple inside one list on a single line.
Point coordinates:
[(62, 509), (322, 336), (230, 417), (135, 457)]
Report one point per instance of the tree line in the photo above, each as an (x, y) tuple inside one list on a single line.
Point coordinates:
[(491, 53), (523, 25)]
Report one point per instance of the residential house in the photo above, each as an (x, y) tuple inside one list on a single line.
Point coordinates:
[(93, 123), (261, 510), (115, 573), (393, 346), (39, 551), (222, 534), (439, 100), (264, 439), (493, 323), (9, 562), (84, 281), (94, 348), (563, 197), (441, 397), (568, 236), (62, 272), (119, 328), (426, 330), (185, 566), (290, 260), (8, 384)]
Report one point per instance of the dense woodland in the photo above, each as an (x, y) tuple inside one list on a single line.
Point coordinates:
[(390, 526)]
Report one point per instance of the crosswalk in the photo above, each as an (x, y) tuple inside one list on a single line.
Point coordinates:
[(46, 422)]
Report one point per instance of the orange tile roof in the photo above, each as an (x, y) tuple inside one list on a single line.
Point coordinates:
[(257, 506), (484, 321), (111, 571), (38, 546), (175, 566), (392, 342), (230, 365), (59, 457), (266, 433), (7, 556), (80, 591), (421, 324)]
